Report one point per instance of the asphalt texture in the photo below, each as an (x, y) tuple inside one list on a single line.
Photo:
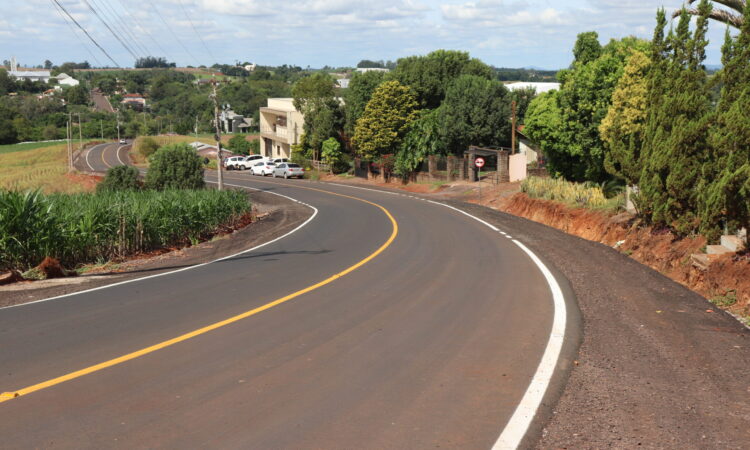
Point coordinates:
[(430, 344), (102, 157)]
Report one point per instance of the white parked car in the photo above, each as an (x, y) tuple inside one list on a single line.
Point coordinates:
[(123, 141), (278, 161), (263, 168), (288, 170), (234, 162), (251, 160)]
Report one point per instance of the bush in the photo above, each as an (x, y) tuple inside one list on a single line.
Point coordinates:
[(239, 145), (120, 178), (573, 194), (175, 166), (82, 228), (255, 147), (147, 146)]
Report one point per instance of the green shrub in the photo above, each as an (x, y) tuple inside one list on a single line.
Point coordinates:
[(255, 147), (175, 166), (573, 194), (120, 178), (83, 228), (239, 145), (147, 146)]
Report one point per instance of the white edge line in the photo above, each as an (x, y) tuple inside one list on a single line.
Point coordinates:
[(118, 154), (518, 425), (88, 153), (315, 213)]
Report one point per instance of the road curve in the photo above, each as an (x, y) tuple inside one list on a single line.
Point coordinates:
[(102, 157), (433, 342)]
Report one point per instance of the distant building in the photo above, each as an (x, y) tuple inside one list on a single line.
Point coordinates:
[(280, 127), (232, 122), (250, 67), (528, 147), (343, 82), (64, 79), (134, 100), (33, 75), (372, 69), (540, 87)]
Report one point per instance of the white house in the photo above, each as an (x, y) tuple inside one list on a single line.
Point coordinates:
[(372, 69), (540, 87), (33, 75), (281, 127), (64, 79)]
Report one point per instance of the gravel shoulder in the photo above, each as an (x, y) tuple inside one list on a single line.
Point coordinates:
[(278, 216)]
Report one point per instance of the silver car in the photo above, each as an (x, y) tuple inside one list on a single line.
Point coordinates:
[(288, 170)]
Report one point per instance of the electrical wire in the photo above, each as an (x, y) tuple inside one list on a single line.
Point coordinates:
[(196, 31), (123, 27), (169, 28), (80, 39), (96, 13), (142, 28), (85, 32)]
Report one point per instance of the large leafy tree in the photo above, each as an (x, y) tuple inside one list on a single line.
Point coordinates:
[(360, 90), (575, 149), (678, 122), (385, 121), (476, 111), (424, 138), (430, 75), (623, 127), (315, 97), (734, 16), (725, 192)]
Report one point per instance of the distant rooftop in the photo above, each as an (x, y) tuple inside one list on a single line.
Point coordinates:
[(540, 87)]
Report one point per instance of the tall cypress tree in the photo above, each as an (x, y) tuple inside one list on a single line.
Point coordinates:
[(725, 188), (678, 146)]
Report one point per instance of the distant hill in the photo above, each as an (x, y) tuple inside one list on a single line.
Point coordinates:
[(525, 74)]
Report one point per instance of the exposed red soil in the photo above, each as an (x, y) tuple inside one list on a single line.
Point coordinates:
[(659, 249), (51, 268), (88, 182)]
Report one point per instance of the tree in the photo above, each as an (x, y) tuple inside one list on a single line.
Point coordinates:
[(544, 125), (120, 178), (7, 132), (50, 132), (239, 145), (76, 95), (725, 189), (47, 64), (734, 17), (678, 122), (622, 128), (430, 75), (152, 62), (331, 152), (361, 87), (424, 138), (147, 146), (575, 150), (385, 120), (314, 96), (523, 98), (476, 111), (175, 166)]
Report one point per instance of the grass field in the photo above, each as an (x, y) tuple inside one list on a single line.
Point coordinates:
[(164, 140), (36, 166)]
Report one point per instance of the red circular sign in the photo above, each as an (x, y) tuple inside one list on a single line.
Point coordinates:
[(479, 162)]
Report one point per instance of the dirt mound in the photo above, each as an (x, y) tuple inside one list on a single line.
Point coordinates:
[(726, 280), (10, 277)]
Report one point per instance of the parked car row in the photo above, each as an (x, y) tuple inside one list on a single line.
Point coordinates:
[(247, 162)]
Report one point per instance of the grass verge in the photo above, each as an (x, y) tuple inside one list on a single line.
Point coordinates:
[(572, 194)]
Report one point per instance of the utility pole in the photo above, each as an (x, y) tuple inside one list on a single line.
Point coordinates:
[(70, 146), (80, 133), (101, 128), (218, 136), (117, 111), (145, 126), (513, 131)]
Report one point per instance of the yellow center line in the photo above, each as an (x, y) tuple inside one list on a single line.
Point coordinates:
[(103, 151), (5, 396)]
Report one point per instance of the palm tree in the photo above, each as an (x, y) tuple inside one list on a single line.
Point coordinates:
[(733, 18)]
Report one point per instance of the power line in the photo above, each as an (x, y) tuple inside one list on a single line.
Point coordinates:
[(82, 41), (196, 31), (122, 26), (145, 29), (86, 32), (110, 29), (158, 13)]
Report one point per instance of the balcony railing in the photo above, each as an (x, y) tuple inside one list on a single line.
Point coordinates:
[(279, 131)]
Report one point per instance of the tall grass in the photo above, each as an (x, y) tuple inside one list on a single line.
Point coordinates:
[(84, 228), (573, 194), (36, 166)]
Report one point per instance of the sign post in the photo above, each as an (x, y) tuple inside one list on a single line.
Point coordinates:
[(479, 162)]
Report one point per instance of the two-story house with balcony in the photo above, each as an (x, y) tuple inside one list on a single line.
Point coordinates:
[(281, 126)]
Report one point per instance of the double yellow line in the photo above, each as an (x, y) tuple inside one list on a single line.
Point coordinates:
[(5, 396)]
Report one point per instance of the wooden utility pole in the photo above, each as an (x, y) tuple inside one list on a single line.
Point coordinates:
[(117, 112), (218, 136), (513, 131), (70, 146), (80, 133)]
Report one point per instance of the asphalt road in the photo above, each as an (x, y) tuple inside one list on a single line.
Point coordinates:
[(431, 342), (102, 157)]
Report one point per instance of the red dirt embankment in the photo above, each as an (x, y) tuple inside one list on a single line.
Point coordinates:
[(726, 279)]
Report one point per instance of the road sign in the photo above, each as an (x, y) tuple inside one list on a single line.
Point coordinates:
[(479, 162)]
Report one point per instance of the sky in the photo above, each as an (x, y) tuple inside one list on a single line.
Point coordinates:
[(315, 33)]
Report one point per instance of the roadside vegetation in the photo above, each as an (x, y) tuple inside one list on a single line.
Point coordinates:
[(581, 195), (42, 166), (124, 216)]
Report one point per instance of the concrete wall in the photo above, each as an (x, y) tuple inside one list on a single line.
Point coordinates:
[(517, 167), (526, 149)]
